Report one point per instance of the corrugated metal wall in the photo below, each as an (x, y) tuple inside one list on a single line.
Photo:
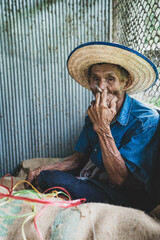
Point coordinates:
[(42, 109)]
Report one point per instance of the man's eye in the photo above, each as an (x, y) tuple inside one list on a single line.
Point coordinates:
[(110, 78), (95, 78)]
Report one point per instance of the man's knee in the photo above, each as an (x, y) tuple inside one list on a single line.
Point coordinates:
[(48, 179)]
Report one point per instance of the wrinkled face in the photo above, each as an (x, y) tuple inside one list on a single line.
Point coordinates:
[(107, 76)]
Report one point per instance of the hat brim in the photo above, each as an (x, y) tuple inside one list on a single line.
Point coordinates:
[(143, 72)]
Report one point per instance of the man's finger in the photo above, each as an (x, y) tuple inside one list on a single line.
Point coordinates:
[(113, 105), (109, 98), (103, 99), (93, 103), (89, 112), (97, 99), (30, 179)]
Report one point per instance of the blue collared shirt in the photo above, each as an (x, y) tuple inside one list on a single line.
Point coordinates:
[(133, 132)]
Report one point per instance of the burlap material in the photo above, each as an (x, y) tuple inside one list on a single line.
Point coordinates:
[(7, 182), (11, 228), (88, 221), (30, 164), (104, 221), (156, 212)]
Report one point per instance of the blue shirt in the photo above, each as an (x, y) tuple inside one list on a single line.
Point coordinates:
[(133, 132)]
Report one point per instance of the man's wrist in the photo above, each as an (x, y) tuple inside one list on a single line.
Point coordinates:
[(106, 131)]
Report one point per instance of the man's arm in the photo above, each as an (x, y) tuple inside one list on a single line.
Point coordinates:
[(76, 161), (112, 159), (101, 115)]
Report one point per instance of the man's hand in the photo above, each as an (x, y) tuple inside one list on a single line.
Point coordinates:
[(32, 177), (102, 111), (75, 161)]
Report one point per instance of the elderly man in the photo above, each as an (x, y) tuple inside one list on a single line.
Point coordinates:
[(116, 150)]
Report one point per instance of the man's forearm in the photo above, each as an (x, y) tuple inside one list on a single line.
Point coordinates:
[(73, 162), (112, 159), (76, 161)]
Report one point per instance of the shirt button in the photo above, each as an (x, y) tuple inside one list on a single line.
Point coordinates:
[(95, 149)]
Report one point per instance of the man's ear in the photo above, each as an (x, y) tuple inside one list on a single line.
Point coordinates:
[(128, 83)]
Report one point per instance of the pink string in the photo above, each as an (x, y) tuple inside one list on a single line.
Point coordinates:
[(63, 204), (61, 188), (10, 191), (35, 224), (5, 188)]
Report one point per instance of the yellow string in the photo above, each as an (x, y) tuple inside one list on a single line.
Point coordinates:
[(44, 195), (52, 194), (33, 206), (23, 181)]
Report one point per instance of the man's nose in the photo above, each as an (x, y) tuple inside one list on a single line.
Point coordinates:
[(102, 84)]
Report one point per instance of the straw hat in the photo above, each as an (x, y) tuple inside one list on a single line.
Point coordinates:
[(142, 70)]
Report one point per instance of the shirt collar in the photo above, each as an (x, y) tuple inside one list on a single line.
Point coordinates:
[(123, 116)]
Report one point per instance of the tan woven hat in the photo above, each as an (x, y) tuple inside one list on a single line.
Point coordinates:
[(142, 70)]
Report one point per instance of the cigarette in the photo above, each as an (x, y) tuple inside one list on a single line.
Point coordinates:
[(98, 88)]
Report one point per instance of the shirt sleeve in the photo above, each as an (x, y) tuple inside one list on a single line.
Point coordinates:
[(83, 144), (138, 153)]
